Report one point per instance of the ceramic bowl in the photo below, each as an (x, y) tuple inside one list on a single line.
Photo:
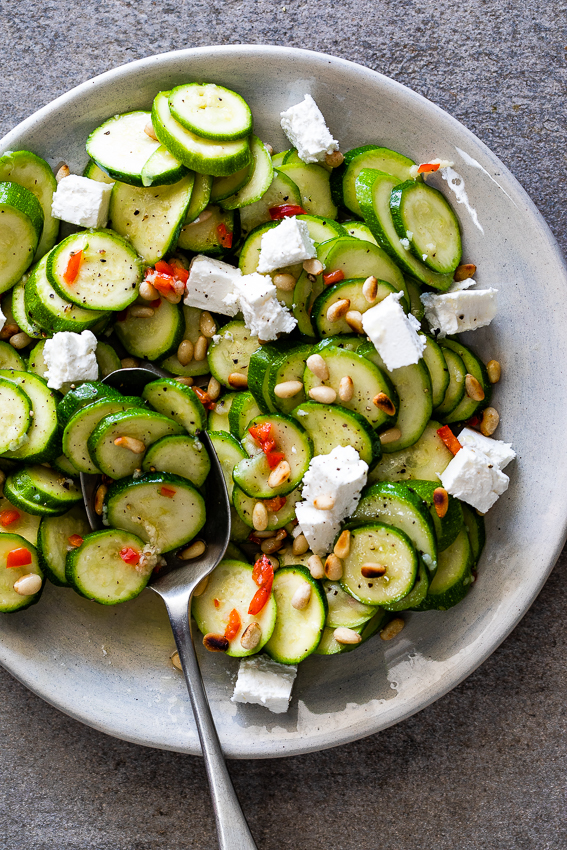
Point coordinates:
[(108, 667)]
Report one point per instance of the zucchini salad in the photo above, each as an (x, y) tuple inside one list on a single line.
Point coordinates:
[(304, 307)]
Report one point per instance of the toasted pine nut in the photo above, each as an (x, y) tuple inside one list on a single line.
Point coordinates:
[(149, 131), (172, 297), (185, 352), (338, 310), (188, 381), (334, 159), (260, 516), (300, 545), (237, 381), (207, 324), (213, 388), (63, 171), (346, 388), (265, 535), (274, 561), (333, 567), (316, 364), (175, 660), (324, 503), (285, 282), (342, 546), (269, 148), (390, 436), (273, 544), (287, 389), (9, 330), (473, 388), (200, 348), (313, 266), (440, 501), (385, 404), (370, 289), (346, 636), (465, 271), (280, 474), (138, 312), (133, 445), (147, 291), (372, 570), (251, 635), (354, 320), (301, 597), (20, 340), (494, 371), (215, 643), (393, 628), (326, 395), (194, 550), (490, 420), (316, 567), (129, 363), (28, 585), (99, 499), (201, 587)]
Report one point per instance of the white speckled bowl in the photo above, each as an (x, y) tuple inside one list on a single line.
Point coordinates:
[(109, 667)]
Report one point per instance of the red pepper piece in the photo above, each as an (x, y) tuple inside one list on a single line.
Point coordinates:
[(263, 571), (122, 315), (449, 439), (163, 283), (71, 273), (179, 271), (225, 237), (167, 491), (474, 421), (216, 603), (259, 600), (75, 540), (155, 304), (274, 458), (276, 504), (204, 398), (285, 211), (333, 277), (8, 517), (234, 624), (129, 555), (261, 433), (18, 557), (428, 167), (164, 268)]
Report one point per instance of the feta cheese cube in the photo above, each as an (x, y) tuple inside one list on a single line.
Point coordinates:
[(82, 201), (473, 477), (393, 333), (455, 312), (306, 129), (262, 681), (263, 314), (459, 285), (319, 527), (500, 453), (285, 244), (70, 357), (2, 319), (210, 282)]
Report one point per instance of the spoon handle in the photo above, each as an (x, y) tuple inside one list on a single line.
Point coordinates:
[(232, 829)]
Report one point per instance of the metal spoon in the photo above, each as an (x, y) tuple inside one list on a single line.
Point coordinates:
[(175, 584)]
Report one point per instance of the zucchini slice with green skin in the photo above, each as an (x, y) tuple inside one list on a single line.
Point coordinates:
[(107, 359), (224, 187), (418, 592), (360, 230), (121, 147), (93, 172), (331, 425), (261, 361), (82, 395), (152, 337), (343, 179), (297, 631), (288, 366), (63, 465), (167, 511), (9, 358), (45, 306), (243, 410), (218, 417), (351, 289), (38, 366), (386, 546), (359, 259), (475, 527), (231, 587), (202, 235), (53, 542), (414, 291), (207, 156), (16, 408), (423, 216), (43, 441), (83, 422), (191, 318), (282, 190), (24, 320), (438, 370), (117, 461), (178, 402), (10, 600), (343, 610), (455, 392), (454, 576), (426, 459), (448, 527), (211, 111), (328, 645), (97, 571), (109, 275), (182, 455), (40, 490), (162, 169), (151, 218), (229, 452), (200, 197), (475, 367), (22, 224), (34, 173), (313, 183), (244, 506), (260, 179), (232, 352), (25, 524)]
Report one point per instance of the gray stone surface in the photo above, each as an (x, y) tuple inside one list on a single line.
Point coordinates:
[(485, 766)]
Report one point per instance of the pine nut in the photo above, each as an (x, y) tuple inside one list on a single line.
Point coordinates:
[(274, 561), (490, 420), (346, 388), (371, 570), (176, 661), (338, 310), (133, 445), (251, 636), (279, 475), (370, 289), (141, 312), (213, 388), (149, 131), (316, 567), (28, 585), (342, 546), (354, 320), (269, 148), (194, 550), (287, 389), (20, 340), (9, 330), (301, 597), (313, 266), (147, 291), (172, 297), (201, 587), (237, 381), (440, 501), (333, 567), (200, 348), (265, 535), (207, 324), (464, 272), (188, 381), (324, 502), (215, 643), (326, 395), (260, 516), (63, 171), (334, 159), (300, 545), (185, 352), (272, 545), (285, 282), (346, 636), (99, 499), (494, 371), (393, 628), (316, 364), (129, 363), (384, 403), (473, 388), (390, 436)]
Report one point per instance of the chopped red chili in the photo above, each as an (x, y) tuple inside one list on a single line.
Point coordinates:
[(428, 167), (74, 263), (234, 624), (333, 277), (276, 504), (225, 236), (18, 557), (167, 491), (75, 540), (8, 517), (285, 211), (129, 555), (449, 439)]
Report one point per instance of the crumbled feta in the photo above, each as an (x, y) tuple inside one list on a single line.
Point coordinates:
[(393, 333), (474, 478), (455, 312), (405, 244), (2, 319), (211, 284), (263, 314), (459, 285), (306, 129), (499, 452), (262, 681), (82, 201), (285, 244), (70, 357)]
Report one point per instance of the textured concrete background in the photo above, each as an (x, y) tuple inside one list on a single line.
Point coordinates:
[(483, 768)]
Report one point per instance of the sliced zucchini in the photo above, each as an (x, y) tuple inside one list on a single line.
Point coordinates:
[(426, 459), (200, 197), (229, 452), (54, 543), (83, 422), (225, 187), (191, 317), (107, 359), (359, 259), (63, 465), (455, 391), (154, 336), (49, 310), (448, 527), (16, 408), (414, 291), (182, 455), (208, 234), (23, 319), (259, 181), (20, 522), (232, 352), (476, 531), (343, 179), (39, 490), (291, 440), (218, 416), (211, 111), (383, 546), (11, 600), (418, 592), (360, 230), (21, 227), (102, 568), (343, 610), (245, 505), (474, 366), (438, 370), (93, 172), (9, 358), (330, 426), (313, 183), (162, 169), (275, 364), (34, 173), (178, 402), (346, 289), (121, 147), (297, 632), (281, 191), (454, 576), (82, 395), (43, 442), (243, 410)]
